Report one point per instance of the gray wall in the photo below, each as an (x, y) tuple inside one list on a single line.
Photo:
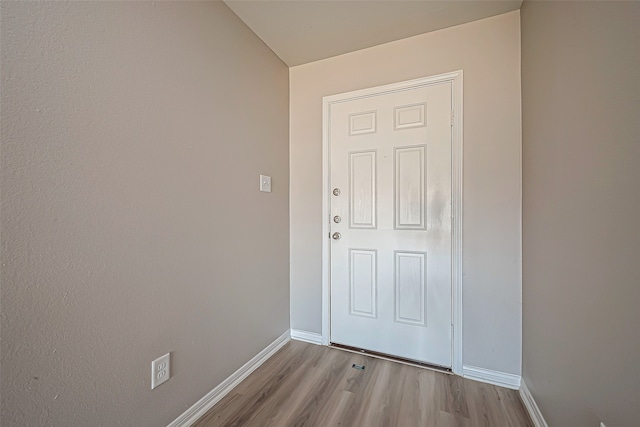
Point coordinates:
[(488, 51), (133, 135), (581, 176)]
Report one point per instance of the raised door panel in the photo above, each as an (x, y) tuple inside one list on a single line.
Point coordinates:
[(362, 123), (362, 189), (410, 287), (362, 282), (410, 116), (410, 188)]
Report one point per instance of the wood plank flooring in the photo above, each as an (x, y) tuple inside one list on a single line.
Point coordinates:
[(309, 385)]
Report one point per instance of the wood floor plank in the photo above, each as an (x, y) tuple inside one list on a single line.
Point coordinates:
[(292, 375), (305, 385), (428, 401), (225, 410), (358, 384), (303, 405), (452, 395), (512, 405)]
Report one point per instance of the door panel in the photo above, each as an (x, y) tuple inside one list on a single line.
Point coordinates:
[(410, 195), (362, 282), (410, 287), (391, 269), (362, 189)]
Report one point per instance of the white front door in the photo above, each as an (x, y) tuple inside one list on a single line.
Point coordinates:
[(390, 204)]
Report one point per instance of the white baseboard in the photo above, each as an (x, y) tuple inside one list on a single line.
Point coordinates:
[(310, 337), (192, 414), (498, 378), (531, 406)]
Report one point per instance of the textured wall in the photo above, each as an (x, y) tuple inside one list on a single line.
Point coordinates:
[(488, 51), (133, 135), (581, 205)]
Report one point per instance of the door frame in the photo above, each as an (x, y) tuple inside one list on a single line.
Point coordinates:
[(455, 78)]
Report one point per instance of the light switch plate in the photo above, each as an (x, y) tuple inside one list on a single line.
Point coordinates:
[(265, 183)]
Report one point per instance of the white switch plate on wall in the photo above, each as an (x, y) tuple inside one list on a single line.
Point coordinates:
[(160, 370), (265, 183)]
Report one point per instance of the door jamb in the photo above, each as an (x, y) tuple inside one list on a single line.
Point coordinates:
[(455, 78)]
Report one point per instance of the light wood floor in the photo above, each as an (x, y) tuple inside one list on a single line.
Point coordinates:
[(309, 385)]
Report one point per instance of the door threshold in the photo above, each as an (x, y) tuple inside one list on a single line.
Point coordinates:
[(391, 358)]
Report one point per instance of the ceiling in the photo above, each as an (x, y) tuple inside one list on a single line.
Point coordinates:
[(302, 31)]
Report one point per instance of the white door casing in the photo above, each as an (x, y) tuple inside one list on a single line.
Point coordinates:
[(395, 152)]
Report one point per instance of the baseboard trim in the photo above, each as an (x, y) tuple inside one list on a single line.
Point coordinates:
[(192, 414), (310, 337), (531, 406), (498, 378)]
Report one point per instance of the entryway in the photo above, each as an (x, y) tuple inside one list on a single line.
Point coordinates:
[(393, 171)]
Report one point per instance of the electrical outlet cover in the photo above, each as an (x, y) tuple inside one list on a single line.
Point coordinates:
[(160, 370)]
